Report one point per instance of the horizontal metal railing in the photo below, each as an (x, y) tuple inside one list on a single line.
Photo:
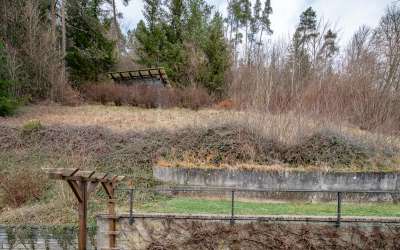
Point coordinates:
[(234, 190)]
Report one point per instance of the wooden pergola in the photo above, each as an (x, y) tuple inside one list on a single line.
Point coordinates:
[(83, 183)]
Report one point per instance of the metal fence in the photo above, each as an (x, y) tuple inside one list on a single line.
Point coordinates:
[(234, 191)]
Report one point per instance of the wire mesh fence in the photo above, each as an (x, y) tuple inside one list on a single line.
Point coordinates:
[(233, 204)]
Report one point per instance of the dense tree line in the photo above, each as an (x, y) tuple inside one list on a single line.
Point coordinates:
[(49, 47), (185, 38)]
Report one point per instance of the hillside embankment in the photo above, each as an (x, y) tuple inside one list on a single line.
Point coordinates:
[(129, 141)]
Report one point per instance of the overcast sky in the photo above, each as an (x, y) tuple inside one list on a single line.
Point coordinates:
[(345, 15)]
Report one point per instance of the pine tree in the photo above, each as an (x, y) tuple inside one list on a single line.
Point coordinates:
[(152, 13), (327, 52), (180, 42), (150, 37), (307, 29), (217, 55), (329, 47), (245, 20), (230, 20), (115, 29), (237, 20), (255, 25), (301, 51), (176, 14), (197, 15), (265, 21), (89, 52)]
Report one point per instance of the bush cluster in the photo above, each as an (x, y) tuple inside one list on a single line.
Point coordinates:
[(146, 96), (235, 144), (21, 185)]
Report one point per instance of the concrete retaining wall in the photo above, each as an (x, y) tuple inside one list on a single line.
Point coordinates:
[(157, 231), (285, 180)]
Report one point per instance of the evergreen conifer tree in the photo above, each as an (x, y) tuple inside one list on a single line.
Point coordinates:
[(217, 56), (89, 52)]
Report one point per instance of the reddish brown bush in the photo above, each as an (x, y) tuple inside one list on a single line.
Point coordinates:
[(147, 96), (194, 98), (22, 185), (225, 104)]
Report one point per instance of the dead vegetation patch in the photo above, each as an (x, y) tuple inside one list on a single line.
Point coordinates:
[(232, 145), (199, 236)]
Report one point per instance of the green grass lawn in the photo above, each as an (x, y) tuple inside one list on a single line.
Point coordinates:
[(202, 206)]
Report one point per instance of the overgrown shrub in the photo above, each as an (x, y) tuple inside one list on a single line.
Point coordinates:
[(327, 147), (31, 127), (146, 96), (236, 145), (7, 106), (21, 185), (7, 103)]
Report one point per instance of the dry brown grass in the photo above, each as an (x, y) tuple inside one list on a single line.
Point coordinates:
[(117, 119), (22, 185), (51, 213), (287, 128)]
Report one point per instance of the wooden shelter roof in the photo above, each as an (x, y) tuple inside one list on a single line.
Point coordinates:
[(140, 74), (79, 175)]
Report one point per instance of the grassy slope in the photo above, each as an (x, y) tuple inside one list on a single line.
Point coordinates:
[(201, 206), (128, 141)]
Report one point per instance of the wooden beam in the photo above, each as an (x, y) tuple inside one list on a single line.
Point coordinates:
[(85, 174), (98, 176), (83, 216), (140, 74), (120, 178), (112, 227), (76, 189), (108, 188), (58, 173), (161, 76)]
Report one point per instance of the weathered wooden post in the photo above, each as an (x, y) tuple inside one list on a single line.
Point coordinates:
[(82, 184)]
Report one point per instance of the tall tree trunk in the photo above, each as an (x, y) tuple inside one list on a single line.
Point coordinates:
[(246, 50), (235, 43), (114, 14), (259, 43), (53, 74), (53, 20), (63, 40), (115, 31), (230, 34)]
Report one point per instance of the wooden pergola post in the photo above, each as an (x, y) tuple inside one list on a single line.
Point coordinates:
[(109, 187), (83, 183)]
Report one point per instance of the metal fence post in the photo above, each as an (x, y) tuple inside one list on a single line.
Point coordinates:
[(131, 219), (233, 208), (339, 209)]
